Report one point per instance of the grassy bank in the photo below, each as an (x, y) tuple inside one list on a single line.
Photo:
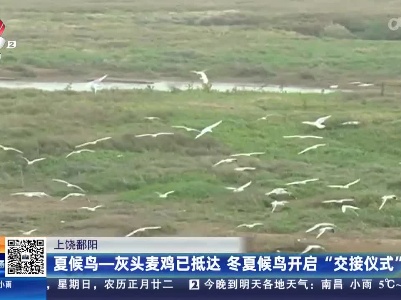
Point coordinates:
[(125, 172), (267, 41)]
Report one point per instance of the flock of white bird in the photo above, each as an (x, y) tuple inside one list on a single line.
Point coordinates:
[(321, 227), (319, 124), (69, 185)]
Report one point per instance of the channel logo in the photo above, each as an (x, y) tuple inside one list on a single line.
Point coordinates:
[(2, 27), (2, 244), (3, 41), (2, 252), (394, 24)]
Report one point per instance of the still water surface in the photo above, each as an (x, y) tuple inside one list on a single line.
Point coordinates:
[(163, 86)]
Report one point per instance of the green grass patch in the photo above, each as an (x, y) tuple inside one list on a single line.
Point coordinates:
[(252, 41)]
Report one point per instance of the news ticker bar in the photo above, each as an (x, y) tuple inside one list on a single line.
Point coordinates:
[(314, 288), (137, 244), (189, 288)]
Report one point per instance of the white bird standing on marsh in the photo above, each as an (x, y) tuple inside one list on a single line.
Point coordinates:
[(225, 161), (385, 198), (202, 76), (311, 148), (247, 154), (276, 203), (153, 135), (27, 232), (142, 229), (302, 137), (91, 208), (250, 225), (93, 142), (78, 152), (312, 247), (345, 207), (165, 195), (319, 225), (31, 162), (31, 194), (302, 182), (186, 128), (68, 184), (338, 201), (350, 123), (242, 169), (239, 189), (208, 129), (347, 186), (95, 84), (10, 149), (72, 195), (324, 229), (278, 191), (318, 123), (265, 117)]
